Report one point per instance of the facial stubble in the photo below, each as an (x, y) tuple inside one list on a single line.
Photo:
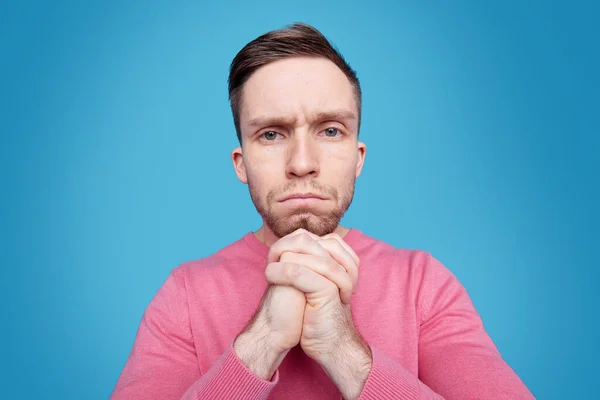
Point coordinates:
[(302, 217)]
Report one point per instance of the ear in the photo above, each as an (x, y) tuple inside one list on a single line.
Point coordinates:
[(362, 152), (237, 157)]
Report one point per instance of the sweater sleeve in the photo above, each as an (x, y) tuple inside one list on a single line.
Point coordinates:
[(163, 362), (457, 358)]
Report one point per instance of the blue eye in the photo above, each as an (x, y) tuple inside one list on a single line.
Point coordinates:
[(270, 135), (331, 132)]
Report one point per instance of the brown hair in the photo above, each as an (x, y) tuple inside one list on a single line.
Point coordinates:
[(296, 40)]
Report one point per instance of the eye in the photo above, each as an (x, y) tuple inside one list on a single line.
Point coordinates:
[(331, 132), (270, 135)]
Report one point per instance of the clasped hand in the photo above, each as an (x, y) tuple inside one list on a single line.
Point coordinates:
[(325, 271), (312, 280)]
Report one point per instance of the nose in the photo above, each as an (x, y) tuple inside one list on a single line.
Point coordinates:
[(302, 157)]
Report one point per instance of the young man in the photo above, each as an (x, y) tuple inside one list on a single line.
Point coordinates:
[(282, 313)]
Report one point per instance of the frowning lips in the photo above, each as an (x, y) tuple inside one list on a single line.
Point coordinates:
[(303, 196)]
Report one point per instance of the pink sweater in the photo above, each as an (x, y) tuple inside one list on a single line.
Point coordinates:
[(427, 339)]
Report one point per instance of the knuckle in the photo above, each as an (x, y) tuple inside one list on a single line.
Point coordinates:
[(299, 232), (332, 237), (273, 267), (293, 270), (333, 267), (336, 243), (305, 239), (274, 249), (285, 256), (348, 284), (269, 272), (330, 241)]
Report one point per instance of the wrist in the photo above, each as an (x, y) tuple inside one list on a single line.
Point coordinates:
[(256, 351), (349, 366), (354, 349)]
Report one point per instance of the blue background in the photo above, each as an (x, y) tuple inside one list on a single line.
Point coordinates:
[(482, 123)]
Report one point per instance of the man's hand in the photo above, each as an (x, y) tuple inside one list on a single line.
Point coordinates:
[(277, 324), (328, 256), (275, 329), (326, 270)]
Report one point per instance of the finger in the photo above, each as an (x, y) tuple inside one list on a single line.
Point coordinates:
[(300, 242), (302, 230), (333, 235), (298, 277), (351, 267), (344, 245), (339, 254), (327, 267)]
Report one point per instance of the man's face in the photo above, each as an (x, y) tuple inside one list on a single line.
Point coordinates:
[(299, 124)]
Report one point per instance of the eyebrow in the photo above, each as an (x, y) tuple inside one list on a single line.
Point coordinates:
[(337, 115)]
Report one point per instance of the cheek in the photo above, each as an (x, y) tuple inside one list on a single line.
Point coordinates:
[(261, 178), (259, 172), (266, 163), (260, 162), (340, 161)]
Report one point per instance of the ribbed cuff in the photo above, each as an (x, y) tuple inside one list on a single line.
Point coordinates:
[(389, 380), (229, 378)]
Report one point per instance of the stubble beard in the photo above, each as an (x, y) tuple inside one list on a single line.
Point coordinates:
[(303, 218)]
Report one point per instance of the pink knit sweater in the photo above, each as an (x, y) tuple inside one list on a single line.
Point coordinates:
[(427, 339)]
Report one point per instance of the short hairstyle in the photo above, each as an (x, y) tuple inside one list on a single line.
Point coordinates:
[(296, 40)]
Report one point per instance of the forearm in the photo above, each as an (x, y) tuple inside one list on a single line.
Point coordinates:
[(248, 370), (360, 371), (349, 365), (164, 365), (255, 350)]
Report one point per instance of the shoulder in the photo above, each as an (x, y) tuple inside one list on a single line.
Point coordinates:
[(420, 263), (235, 261), (243, 248), (433, 285), (370, 247)]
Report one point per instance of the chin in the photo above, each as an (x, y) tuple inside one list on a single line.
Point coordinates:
[(320, 226)]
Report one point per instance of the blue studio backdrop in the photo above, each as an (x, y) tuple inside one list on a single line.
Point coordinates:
[(481, 120)]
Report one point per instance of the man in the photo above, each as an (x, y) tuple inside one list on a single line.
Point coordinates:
[(282, 313)]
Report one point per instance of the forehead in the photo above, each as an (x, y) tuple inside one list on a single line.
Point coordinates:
[(296, 87)]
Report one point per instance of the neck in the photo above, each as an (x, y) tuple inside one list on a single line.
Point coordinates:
[(265, 235)]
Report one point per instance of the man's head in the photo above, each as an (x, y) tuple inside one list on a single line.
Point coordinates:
[(296, 106)]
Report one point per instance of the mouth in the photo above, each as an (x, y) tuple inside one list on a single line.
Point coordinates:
[(302, 199), (302, 196)]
